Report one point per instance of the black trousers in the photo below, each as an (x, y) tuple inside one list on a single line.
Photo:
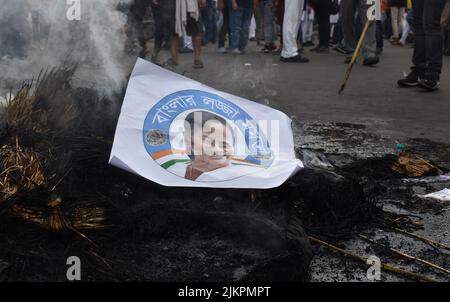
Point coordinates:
[(225, 26), (323, 11), (159, 30), (428, 39)]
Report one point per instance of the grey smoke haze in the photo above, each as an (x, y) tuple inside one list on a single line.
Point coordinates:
[(36, 34)]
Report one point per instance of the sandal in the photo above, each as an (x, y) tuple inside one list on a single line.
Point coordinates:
[(171, 62), (198, 64)]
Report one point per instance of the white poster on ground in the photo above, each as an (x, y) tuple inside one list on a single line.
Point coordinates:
[(178, 132)]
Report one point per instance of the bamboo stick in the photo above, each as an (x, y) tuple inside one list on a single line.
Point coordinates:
[(426, 240), (385, 266), (404, 255)]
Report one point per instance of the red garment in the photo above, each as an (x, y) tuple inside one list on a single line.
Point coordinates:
[(384, 5)]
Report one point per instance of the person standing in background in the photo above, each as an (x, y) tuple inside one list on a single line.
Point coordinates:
[(292, 16), (322, 9), (446, 27), (224, 6), (209, 21), (397, 16), (159, 31), (266, 9), (347, 13), (241, 12), (428, 46)]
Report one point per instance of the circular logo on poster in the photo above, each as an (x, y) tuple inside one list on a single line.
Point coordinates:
[(203, 137)]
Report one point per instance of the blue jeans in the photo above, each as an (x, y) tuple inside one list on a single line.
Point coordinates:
[(240, 26), (209, 21), (268, 21)]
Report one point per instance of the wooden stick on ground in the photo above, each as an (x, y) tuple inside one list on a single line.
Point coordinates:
[(385, 266), (406, 256), (355, 55), (426, 240)]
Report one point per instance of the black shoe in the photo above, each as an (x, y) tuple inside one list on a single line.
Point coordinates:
[(430, 84), (308, 44), (341, 50), (297, 59), (410, 80), (321, 49), (371, 61)]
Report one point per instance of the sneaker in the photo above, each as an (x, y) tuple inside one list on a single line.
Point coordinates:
[(321, 49), (429, 83), (296, 59), (371, 61), (222, 50), (410, 80), (236, 51), (308, 44), (342, 50)]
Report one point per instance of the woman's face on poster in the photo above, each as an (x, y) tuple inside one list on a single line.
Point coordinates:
[(215, 148)]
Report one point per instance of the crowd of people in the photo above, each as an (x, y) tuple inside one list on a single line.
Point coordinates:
[(285, 28)]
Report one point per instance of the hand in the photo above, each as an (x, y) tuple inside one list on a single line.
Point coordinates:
[(234, 5), (220, 5), (201, 3)]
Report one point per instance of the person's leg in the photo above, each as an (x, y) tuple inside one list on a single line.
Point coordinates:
[(323, 18), (212, 22), (247, 15), (197, 41), (380, 40), (292, 14), (259, 22), (235, 26), (268, 22), (369, 47), (405, 33), (347, 13), (310, 28), (159, 30), (174, 49), (225, 26), (401, 20), (394, 16), (419, 55), (432, 12), (306, 29)]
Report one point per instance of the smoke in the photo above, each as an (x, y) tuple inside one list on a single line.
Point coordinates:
[(37, 34)]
